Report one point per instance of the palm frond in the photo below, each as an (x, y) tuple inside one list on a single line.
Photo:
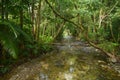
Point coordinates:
[(9, 44), (9, 37)]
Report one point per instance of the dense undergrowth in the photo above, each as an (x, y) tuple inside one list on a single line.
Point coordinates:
[(18, 46)]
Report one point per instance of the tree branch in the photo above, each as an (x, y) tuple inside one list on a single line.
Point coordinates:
[(110, 10), (55, 12), (59, 29)]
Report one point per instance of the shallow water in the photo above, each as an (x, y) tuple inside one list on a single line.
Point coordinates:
[(69, 63)]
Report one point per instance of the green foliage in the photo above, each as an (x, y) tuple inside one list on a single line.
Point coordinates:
[(3, 70), (116, 28), (72, 28), (37, 48), (10, 37), (45, 43), (46, 39), (45, 48), (32, 49), (109, 46)]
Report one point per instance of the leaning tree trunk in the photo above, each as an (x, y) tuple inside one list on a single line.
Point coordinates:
[(110, 55), (59, 29)]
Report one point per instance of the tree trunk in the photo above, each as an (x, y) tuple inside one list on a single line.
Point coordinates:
[(59, 29), (6, 10), (2, 9), (0, 51), (6, 15), (21, 18), (33, 19), (38, 21)]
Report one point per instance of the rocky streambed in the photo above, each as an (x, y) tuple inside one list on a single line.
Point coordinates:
[(69, 62)]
